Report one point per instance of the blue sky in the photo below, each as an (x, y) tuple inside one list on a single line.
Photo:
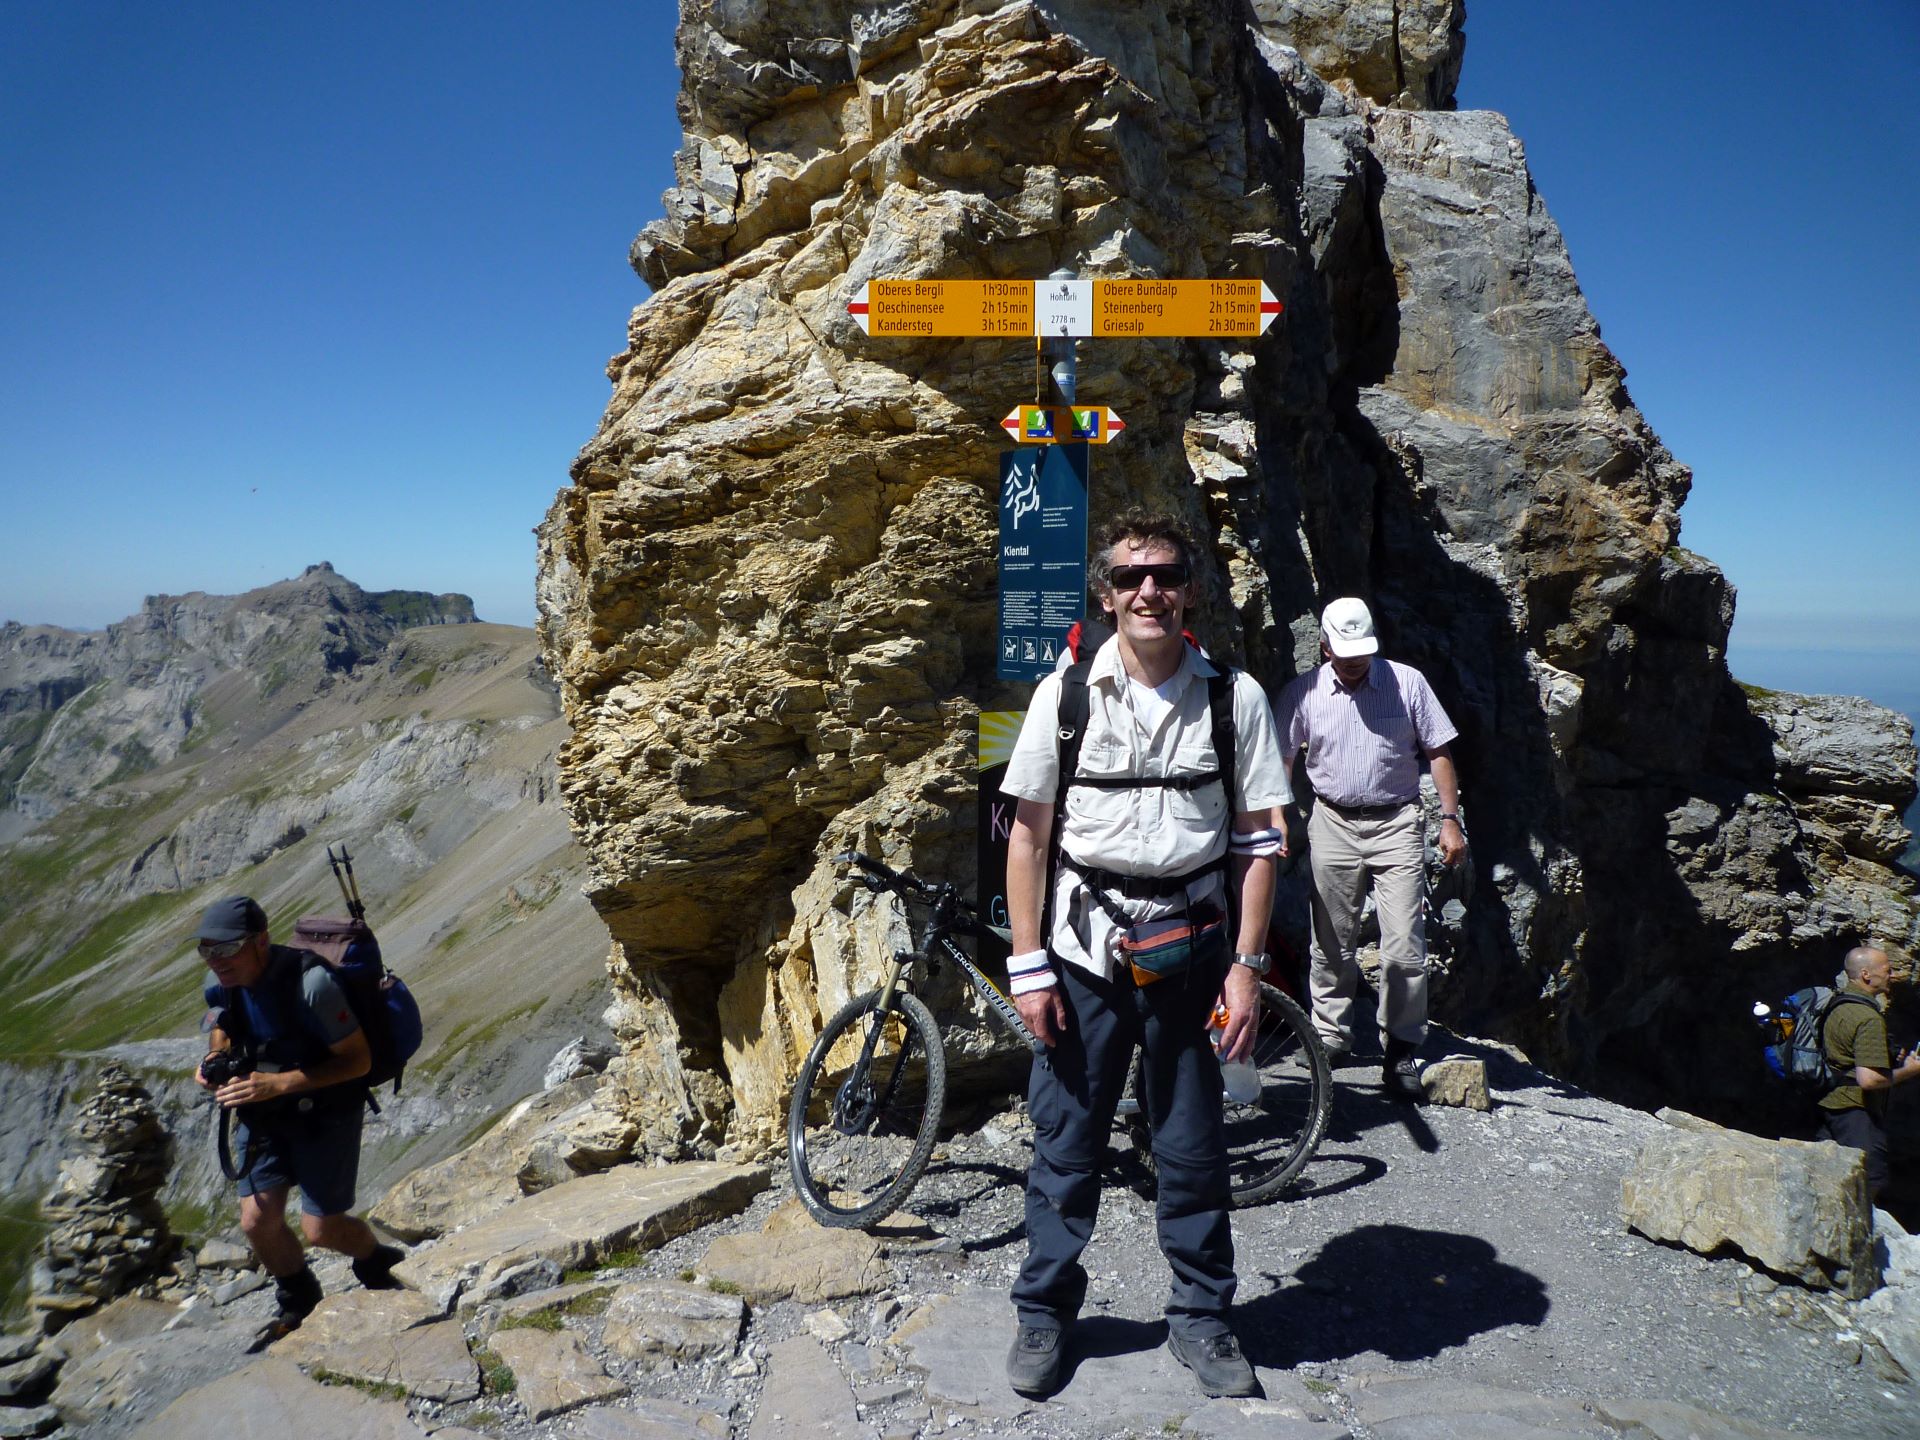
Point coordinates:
[(301, 283)]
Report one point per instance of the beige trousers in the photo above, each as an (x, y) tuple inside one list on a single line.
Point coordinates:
[(1346, 854)]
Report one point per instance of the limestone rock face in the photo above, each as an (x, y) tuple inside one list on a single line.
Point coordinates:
[(1400, 53), (768, 592), (1799, 1209)]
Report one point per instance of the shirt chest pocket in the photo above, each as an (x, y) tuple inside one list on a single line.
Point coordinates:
[(1099, 810), (1203, 808)]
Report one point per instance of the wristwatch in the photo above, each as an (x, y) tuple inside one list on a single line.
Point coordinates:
[(1256, 963)]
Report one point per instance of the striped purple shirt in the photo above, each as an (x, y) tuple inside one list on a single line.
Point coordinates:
[(1364, 744)]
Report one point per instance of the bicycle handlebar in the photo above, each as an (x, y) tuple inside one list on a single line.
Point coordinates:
[(881, 876)]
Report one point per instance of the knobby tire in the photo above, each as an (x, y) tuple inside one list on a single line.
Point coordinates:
[(1270, 1140), (848, 1178)]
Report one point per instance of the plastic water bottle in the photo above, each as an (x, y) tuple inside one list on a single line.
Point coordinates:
[(1241, 1079)]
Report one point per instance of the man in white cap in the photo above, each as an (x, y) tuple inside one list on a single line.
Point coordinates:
[(1367, 725)]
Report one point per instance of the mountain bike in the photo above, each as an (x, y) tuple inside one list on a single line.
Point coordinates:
[(868, 1099)]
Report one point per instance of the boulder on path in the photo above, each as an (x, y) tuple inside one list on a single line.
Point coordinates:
[(793, 1257), (660, 1323), (1457, 1080), (272, 1397), (389, 1337), (1798, 1208), (129, 1318), (479, 1180), (552, 1372), (581, 1222)]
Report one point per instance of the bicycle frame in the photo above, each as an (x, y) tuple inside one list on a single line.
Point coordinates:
[(936, 938)]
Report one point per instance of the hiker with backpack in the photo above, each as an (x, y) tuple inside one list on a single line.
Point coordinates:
[(1140, 878), (1853, 1029), (288, 1059)]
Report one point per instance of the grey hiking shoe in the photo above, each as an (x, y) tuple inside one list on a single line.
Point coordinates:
[(1216, 1362), (1033, 1364)]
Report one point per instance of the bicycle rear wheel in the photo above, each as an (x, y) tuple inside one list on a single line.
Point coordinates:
[(866, 1104), (1270, 1140)]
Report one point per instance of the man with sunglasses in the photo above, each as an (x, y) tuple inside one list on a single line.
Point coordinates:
[(1367, 724), (1149, 842), (296, 1111)]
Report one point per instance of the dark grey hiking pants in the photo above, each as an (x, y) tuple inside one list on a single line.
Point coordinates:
[(1071, 1099)]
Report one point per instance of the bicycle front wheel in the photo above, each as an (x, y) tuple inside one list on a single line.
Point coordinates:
[(866, 1104), (1270, 1140)]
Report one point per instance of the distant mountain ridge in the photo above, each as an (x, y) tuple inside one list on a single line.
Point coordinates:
[(58, 742)]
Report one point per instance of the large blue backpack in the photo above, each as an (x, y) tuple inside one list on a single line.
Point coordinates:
[(388, 1014)]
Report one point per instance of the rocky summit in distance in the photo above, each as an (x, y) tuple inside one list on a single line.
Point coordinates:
[(768, 591), (149, 675)]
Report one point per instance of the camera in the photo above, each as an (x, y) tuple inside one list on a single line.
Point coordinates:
[(220, 1066)]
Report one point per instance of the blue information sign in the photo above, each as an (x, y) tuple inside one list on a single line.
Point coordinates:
[(1043, 555)]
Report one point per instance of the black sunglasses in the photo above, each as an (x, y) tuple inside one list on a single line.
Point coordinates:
[(1132, 577)]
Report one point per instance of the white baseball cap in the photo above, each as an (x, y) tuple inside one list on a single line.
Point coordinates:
[(1347, 625)]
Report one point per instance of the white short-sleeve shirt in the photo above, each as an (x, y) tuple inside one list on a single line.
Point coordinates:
[(1151, 831)]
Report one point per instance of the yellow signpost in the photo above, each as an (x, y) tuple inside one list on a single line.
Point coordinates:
[(1087, 309)]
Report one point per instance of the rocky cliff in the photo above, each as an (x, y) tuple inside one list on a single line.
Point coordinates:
[(768, 591)]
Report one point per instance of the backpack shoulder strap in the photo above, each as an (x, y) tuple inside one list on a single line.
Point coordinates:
[(1071, 728), (1220, 702)]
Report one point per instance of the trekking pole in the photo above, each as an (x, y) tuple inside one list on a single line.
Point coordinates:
[(349, 887)]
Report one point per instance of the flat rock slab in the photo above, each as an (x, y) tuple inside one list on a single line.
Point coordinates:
[(128, 1318), (1414, 1408), (1664, 1420), (647, 1420), (392, 1337), (272, 1397), (25, 1422), (516, 1312), (1120, 1377), (24, 1377), (663, 1323), (573, 1225), (792, 1257), (552, 1372), (1256, 1420), (806, 1398), (133, 1380)]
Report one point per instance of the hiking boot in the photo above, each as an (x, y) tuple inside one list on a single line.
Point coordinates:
[(1400, 1075), (1216, 1362), (375, 1272), (294, 1297), (1033, 1365)]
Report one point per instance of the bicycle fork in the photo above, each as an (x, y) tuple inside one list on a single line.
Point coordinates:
[(856, 1104)]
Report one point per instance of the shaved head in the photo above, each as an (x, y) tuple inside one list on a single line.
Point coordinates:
[(1861, 958)]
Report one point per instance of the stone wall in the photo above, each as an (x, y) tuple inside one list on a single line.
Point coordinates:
[(768, 590)]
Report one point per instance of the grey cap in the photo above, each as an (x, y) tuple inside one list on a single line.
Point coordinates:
[(233, 918)]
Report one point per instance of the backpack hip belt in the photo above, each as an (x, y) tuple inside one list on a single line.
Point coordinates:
[(1143, 887)]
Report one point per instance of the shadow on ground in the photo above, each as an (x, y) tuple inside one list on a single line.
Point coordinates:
[(1401, 1292)]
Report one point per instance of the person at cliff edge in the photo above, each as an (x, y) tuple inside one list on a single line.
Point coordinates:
[(1154, 826), (296, 1107), (1367, 724), (1854, 1111)]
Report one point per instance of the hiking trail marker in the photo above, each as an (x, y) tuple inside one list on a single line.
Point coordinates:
[(1062, 424), (1073, 309)]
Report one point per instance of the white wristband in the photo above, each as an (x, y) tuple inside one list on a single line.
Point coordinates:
[(1036, 980)]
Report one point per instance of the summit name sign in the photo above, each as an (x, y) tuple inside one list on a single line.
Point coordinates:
[(1080, 309)]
